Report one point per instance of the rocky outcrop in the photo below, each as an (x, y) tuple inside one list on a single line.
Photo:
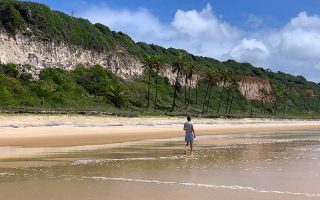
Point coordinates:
[(40, 53), (250, 88)]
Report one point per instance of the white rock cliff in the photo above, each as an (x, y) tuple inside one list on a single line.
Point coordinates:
[(25, 49)]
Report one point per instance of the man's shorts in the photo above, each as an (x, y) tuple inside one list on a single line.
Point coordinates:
[(189, 137)]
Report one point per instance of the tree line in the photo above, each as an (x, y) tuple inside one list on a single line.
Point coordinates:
[(271, 101), (202, 87)]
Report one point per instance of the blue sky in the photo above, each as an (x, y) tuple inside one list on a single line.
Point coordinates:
[(276, 34), (275, 12)]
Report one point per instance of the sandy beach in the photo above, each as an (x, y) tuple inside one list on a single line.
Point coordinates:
[(66, 131), (34, 135), (95, 157)]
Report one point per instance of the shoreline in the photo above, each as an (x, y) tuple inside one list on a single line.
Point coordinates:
[(38, 131), (137, 114), (59, 149), (40, 136)]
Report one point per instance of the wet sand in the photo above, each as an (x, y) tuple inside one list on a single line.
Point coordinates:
[(275, 165), (93, 158), (34, 135)]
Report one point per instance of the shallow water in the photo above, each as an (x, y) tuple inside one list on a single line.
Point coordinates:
[(246, 166)]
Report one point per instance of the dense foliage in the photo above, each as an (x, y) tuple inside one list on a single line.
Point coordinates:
[(96, 88)]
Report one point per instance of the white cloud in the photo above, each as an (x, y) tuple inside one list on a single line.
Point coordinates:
[(299, 38), (140, 24), (202, 33), (254, 21), (251, 50), (194, 24), (295, 46), (292, 48)]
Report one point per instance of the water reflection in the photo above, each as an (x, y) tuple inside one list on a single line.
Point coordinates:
[(262, 166)]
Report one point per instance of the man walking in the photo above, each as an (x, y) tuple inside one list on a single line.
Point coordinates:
[(190, 134)]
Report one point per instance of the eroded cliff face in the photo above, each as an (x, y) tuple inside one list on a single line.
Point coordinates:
[(26, 49), (250, 88)]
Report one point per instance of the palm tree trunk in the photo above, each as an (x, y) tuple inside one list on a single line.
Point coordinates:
[(189, 92), (251, 111), (149, 82), (196, 93), (232, 97), (262, 105), (275, 107), (204, 100), (156, 98), (209, 99), (227, 103), (175, 91), (197, 90), (220, 98), (284, 108), (185, 90), (42, 101), (279, 107)]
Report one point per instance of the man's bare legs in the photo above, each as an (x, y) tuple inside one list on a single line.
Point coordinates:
[(191, 147), (185, 148)]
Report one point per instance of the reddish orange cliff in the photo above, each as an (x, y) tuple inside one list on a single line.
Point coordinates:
[(250, 87)]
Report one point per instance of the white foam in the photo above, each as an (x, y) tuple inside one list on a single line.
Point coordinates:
[(229, 187), (99, 178), (6, 174), (88, 162)]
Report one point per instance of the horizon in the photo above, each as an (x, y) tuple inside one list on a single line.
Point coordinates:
[(283, 42)]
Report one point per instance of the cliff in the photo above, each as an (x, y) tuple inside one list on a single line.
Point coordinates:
[(250, 87), (37, 39), (24, 49)]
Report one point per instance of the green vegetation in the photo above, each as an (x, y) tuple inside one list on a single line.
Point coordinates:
[(97, 89), (54, 25), (94, 88)]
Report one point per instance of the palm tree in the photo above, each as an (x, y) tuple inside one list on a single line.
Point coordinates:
[(251, 109), (285, 95), (223, 78), (198, 73), (210, 77), (277, 93), (263, 92), (205, 97), (233, 88), (148, 66), (178, 66), (116, 93), (158, 64), (229, 91), (306, 97), (189, 74)]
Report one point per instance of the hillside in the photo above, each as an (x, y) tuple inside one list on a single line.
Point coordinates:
[(52, 61)]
